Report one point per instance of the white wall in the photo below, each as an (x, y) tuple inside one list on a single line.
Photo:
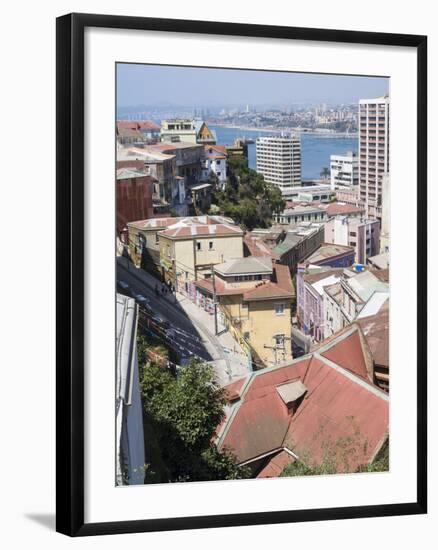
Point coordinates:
[(28, 353)]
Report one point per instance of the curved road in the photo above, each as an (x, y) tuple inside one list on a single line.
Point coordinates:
[(172, 312)]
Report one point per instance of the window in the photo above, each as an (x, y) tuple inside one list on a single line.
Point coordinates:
[(279, 339), (279, 309), (198, 245), (168, 251), (246, 335), (210, 245), (157, 239)]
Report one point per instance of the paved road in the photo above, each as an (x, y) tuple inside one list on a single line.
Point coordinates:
[(185, 335), (185, 344)]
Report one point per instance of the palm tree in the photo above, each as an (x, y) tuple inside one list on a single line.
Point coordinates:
[(325, 173)]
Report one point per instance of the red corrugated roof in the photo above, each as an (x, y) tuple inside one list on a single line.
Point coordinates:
[(340, 411), (276, 464), (376, 331), (202, 231), (348, 354), (336, 409), (233, 390), (280, 287), (221, 289), (217, 151), (257, 247), (336, 208), (137, 125), (148, 124)]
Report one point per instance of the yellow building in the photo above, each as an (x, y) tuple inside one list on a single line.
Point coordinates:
[(145, 247), (186, 130), (255, 298), (191, 246)]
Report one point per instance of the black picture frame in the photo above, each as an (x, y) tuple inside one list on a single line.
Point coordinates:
[(70, 273)]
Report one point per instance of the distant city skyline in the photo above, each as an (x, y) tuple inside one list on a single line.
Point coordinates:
[(174, 86)]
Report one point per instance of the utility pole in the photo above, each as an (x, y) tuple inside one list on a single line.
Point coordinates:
[(175, 280), (275, 348), (284, 346), (194, 259), (214, 299), (279, 347)]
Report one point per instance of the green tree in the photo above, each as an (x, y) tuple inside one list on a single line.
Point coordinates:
[(325, 173), (214, 181), (247, 198), (184, 412), (340, 456)]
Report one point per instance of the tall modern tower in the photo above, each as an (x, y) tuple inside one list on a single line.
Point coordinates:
[(279, 161), (373, 152)]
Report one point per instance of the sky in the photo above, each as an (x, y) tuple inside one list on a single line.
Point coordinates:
[(155, 85)]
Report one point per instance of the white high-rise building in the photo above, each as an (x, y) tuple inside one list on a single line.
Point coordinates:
[(279, 161), (386, 209), (344, 170), (373, 152)]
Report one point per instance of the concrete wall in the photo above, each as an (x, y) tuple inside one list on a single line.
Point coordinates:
[(263, 324), (224, 248)]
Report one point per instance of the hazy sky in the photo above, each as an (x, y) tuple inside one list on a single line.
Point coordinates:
[(158, 85)]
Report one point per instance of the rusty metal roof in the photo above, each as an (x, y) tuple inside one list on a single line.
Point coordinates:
[(339, 405), (276, 464)]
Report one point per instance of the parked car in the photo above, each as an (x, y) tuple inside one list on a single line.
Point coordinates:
[(142, 300), (148, 308), (161, 321), (124, 288)]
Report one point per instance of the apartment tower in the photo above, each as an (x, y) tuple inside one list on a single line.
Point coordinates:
[(373, 152), (344, 170), (279, 161)]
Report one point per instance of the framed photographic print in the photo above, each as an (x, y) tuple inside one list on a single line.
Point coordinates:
[(241, 293)]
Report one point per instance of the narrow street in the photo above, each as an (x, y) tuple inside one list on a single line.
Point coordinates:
[(191, 330)]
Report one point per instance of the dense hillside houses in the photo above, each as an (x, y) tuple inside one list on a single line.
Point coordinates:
[(278, 302)]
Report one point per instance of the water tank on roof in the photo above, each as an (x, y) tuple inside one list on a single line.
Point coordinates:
[(358, 268)]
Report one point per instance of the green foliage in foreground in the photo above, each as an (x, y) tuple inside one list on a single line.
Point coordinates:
[(247, 198), (336, 457), (181, 415)]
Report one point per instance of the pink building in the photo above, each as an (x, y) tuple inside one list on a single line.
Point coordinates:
[(362, 234), (310, 301)]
